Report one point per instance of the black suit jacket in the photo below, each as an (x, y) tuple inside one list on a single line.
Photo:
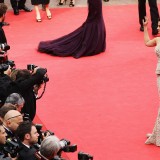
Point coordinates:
[(2, 34), (26, 153), (10, 135)]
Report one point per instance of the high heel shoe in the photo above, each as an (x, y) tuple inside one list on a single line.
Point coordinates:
[(39, 20), (71, 4), (61, 2), (49, 17)]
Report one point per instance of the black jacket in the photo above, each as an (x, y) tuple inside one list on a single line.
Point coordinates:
[(26, 153), (2, 34), (26, 90), (5, 81)]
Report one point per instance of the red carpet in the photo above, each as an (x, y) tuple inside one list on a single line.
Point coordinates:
[(106, 103)]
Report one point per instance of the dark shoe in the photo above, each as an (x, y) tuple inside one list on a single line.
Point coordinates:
[(26, 9), (61, 2), (6, 24), (16, 11), (154, 32), (71, 4), (141, 29)]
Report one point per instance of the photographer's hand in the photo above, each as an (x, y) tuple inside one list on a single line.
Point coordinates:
[(11, 157), (35, 70), (8, 71)]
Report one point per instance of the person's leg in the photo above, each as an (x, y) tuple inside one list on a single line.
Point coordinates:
[(48, 12), (72, 3), (14, 6), (38, 16), (141, 12), (21, 5), (154, 15)]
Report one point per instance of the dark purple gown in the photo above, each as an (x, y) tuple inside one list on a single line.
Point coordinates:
[(88, 40)]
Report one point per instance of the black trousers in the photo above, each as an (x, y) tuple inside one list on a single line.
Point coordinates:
[(153, 12), (17, 4)]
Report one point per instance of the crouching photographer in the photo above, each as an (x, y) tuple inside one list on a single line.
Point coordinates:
[(3, 155), (3, 41), (22, 82)]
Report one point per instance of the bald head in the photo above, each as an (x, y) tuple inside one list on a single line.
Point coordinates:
[(12, 119), (12, 114)]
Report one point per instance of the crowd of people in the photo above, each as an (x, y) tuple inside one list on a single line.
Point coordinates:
[(20, 138), (19, 87)]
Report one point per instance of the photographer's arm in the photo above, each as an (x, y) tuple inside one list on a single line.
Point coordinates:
[(34, 79)]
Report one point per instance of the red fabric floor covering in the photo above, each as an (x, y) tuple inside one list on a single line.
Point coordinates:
[(106, 103)]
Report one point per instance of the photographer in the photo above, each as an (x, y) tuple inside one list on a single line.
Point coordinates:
[(5, 80), (28, 136), (24, 83), (11, 121), (49, 148), (3, 10), (15, 99), (2, 143), (3, 41)]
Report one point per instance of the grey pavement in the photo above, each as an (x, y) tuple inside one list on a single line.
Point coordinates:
[(80, 3)]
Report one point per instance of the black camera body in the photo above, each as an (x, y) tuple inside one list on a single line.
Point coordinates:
[(66, 147), (31, 67), (41, 133), (11, 63), (4, 47), (26, 117), (84, 156), (12, 148), (3, 67)]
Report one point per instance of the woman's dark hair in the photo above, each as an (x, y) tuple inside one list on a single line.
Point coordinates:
[(20, 74)]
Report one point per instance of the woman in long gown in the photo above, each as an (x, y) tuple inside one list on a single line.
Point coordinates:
[(89, 39), (154, 138)]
